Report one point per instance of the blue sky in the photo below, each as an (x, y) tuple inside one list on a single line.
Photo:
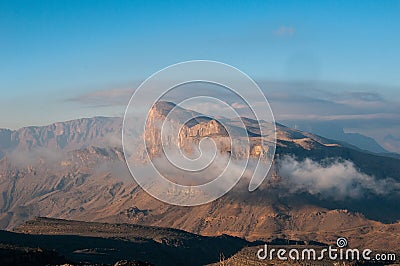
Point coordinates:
[(87, 43), (54, 51)]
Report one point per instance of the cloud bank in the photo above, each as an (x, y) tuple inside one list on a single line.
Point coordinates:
[(339, 179)]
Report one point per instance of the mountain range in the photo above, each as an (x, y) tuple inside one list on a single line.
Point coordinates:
[(318, 189)]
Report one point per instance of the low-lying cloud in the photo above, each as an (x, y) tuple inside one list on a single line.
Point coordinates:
[(24, 158), (103, 98), (338, 180)]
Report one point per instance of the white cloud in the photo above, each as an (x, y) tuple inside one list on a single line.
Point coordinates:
[(101, 98), (339, 180)]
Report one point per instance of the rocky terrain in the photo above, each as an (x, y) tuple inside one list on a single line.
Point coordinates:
[(108, 243), (22, 255), (93, 243), (76, 170), (88, 243)]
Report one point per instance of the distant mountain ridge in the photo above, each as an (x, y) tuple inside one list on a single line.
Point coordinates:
[(69, 135), (106, 132), (332, 131)]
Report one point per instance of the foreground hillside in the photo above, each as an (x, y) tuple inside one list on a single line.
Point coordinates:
[(99, 243), (108, 243)]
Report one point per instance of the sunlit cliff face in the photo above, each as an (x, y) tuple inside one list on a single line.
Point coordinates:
[(190, 134)]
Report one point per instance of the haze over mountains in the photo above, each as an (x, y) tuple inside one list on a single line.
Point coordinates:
[(334, 131), (319, 189)]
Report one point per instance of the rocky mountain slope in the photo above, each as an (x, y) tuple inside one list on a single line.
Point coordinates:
[(55, 171)]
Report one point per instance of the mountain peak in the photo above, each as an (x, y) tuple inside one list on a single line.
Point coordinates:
[(163, 107)]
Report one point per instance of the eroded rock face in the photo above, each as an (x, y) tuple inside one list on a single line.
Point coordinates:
[(229, 139)]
